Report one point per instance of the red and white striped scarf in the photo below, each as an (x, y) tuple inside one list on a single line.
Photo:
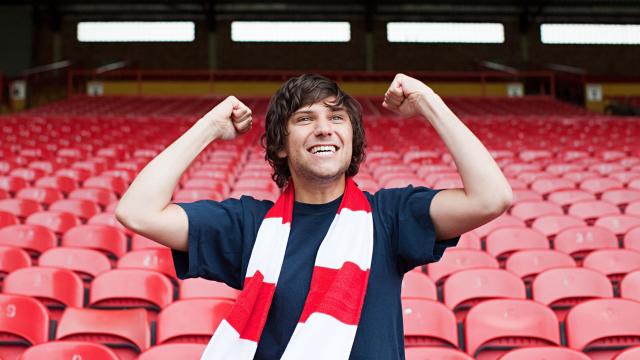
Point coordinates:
[(331, 312)]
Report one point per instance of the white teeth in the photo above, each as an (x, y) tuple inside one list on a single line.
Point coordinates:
[(323, 148)]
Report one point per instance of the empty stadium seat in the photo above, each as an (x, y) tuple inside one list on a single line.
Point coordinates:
[(619, 224), (459, 259), (496, 326), (55, 288), (159, 260), (614, 263), (196, 288), (464, 289), (633, 209), (191, 321), (632, 239), (25, 322), (529, 263), (563, 288), (551, 225), (632, 353), (621, 197), (75, 350), (62, 183), (83, 209), (501, 221), (7, 219), (428, 323), (104, 238), (126, 332), (528, 211), (20, 207), (44, 196), (469, 240), (502, 242), (33, 238), (58, 222), (630, 286), (580, 241), (590, 210), (598, 186), (603, 327), (110, 183), (543, 353), (184, 351), (416, 285), (12, 258), (99, 196), (129, 288), (565, 198), (139, 242), (86, 263), (109, 218)]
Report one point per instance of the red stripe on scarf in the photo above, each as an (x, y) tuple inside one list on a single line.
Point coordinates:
[(354, 200), (252, 307), (337, 292)]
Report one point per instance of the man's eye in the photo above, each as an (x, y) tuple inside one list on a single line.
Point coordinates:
[(336, 118), (304, 118)]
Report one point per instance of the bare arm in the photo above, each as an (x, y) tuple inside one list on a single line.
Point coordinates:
[(146, 207), (486, 193)]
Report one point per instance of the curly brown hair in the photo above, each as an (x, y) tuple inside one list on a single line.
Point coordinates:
[(301, 91)]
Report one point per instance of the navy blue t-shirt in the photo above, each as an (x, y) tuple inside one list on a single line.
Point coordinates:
[(222, 234)]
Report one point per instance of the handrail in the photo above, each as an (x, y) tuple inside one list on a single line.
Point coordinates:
[(281, 75), (46, 68), (112, 67)]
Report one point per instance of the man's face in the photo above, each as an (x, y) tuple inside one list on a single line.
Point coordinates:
[(319, 144)]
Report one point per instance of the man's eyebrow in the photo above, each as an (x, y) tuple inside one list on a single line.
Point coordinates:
[(335, 107), (304, 112)]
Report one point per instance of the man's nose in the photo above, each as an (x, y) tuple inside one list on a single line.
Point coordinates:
[(323, 127)]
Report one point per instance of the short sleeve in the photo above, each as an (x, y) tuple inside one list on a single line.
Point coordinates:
[(405, 214), (218, 238)]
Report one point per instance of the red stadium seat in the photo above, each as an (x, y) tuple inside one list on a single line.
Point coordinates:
[(109, 218), (109, 183), (525, 195), (108, 239), (603, 327), (428, 323), (56, 221), (33, 238), (502, 242), (563, 288), (45, 166), (598, 186), (614, 263), (633, 209), (529, 263), (191, 195), (591, 210), (139, 242), (551, 225), (75, 350), (86, 263), (632, 353), (547, 186), (469, 240), (621, 197), (619, 224), (101, 197), (459, 259), (174, 351), (7, 219), (12, 258), (62, 183), (159, 260), (544, 352), (435, 353), (25, 322), (416, 285), (196, 288), (496, 326), (499, 222), (580, 241), (528, 211), (83, 209), (12, 184), (76, 174), (28, 174), (191, 321), (20, 207), (55, 288), (632, 239), (630, 286), (127, 288), (565, 198), (44, 196), (126, 332), (464, 289)]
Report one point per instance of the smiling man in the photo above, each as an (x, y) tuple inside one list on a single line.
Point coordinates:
[(321, 268)]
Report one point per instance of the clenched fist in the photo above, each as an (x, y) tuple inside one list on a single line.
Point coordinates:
[(404, 95), (229, 118)]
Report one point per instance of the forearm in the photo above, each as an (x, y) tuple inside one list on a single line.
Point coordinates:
[(152, 189), (482, 178)]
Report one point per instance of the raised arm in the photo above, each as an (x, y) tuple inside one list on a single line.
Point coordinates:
[(146, 206), (486, 193)]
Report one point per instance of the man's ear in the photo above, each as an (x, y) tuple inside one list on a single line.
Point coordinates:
[(282, 154)]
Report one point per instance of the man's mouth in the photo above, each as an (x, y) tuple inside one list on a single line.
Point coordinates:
[(323, 149)]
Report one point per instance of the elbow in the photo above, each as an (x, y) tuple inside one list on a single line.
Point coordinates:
[(501, 202), (125, 218)]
